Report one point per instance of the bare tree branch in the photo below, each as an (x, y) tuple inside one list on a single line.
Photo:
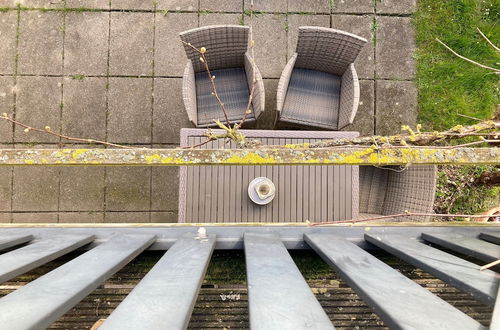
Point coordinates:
[(48, 130), (488, 40), (496, 71)]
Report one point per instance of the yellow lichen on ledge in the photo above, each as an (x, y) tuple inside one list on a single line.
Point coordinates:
[(260, 156)]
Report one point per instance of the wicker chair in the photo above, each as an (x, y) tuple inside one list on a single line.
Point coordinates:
[(386, 191), (319, 85), (229, 61)]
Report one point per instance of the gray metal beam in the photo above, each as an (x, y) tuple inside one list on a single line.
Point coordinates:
[(230, 236), (456, 271), (24, 259), (495, 317), (165, 297), (490, 237), (278, 295), (400, 302), (473, 247), (13, 240), (42, 301)]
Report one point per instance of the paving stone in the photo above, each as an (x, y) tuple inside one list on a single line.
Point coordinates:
[(364, 120), (268, 118), (45, 4), (40, 42), (82, 189), (129, 114), (309, 6), (86, 43), (126, 217), (165, 188), (5, 186), (170, 58), (35, 217), (132, 4), (396, 106), (35, 189), (84, 108), (128, 188), (164, 217), (353, 6), (395, 48), (131, 44), (38, 104), (274, 6), (93, 4), (217, 19), (7, 106), (396, 6), (221, 5), (8, 33), (295, 21), (81, 217), (8, 3), (361, 26), (184, 5), (169, 114), (6, 217), (270, 44)]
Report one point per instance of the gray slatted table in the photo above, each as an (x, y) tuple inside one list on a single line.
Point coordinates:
[(458, 272), (401, 303), (38, 253), (471, 246), (7, 242), (278, 295), (42, 301), (220, 193), (490, 237), (168, 292)]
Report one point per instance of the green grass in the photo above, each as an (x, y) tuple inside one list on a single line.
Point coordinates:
[(448, 85)]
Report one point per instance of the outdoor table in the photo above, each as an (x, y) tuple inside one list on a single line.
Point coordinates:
[(303, 193)]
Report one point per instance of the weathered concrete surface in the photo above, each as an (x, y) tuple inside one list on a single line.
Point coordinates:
[(270, 44), (364, 120), (93, 59), (396, 101), (131, 50), (86, 43), (396, 6), (84, 107), (40, 43), (8, 28), (38, 104), (395, 48)]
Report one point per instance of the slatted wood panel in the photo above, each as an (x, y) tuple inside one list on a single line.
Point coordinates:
[(303, 193)]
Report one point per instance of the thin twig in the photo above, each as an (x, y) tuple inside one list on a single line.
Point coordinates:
[(199, 144), (470, 117), (211, 78), (496, 71), (400, 215), (491, 264), (48, 130), (488, 40)]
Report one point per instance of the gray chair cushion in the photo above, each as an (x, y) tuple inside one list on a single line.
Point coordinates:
[(232, 88), (313, 98)]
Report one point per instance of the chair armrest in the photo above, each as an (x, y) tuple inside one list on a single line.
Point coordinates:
[(413, 190), (259, 96), (283, 83), (349, 97), (189, 93)]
